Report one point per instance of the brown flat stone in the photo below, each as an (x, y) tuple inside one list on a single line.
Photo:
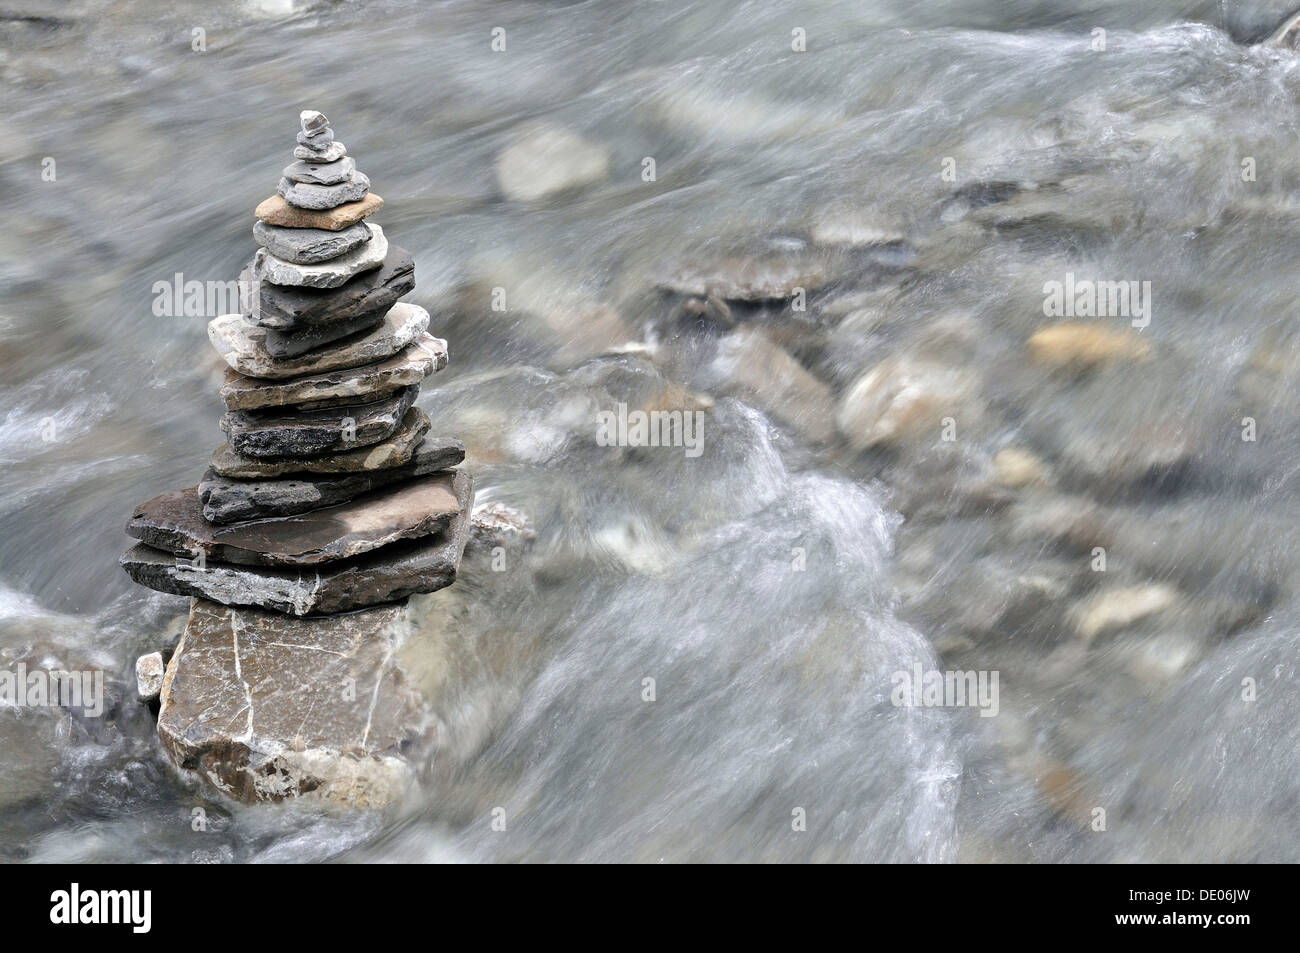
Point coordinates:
[(392, 572), (396, 451), (276, 211), (174, 522)]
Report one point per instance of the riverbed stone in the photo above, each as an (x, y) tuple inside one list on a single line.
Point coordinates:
[(254, 703), (1085, 346), (232, 501), (425, 564), (309, 246), (1017, 467), (325, 274), (241, 345), (276, 211), (546, 160), (316, 336), (396, 451), (904, 397), (290, 432), (1119, 607), (422, 357), (287, 308), (304, 195), (320, 173), (148, 676), (769, 275), (751, 366), (173, 522)]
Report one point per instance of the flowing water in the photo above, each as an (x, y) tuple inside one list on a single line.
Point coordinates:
[(772, 585)]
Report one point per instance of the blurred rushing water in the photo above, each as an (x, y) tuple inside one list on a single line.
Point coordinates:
[(773, 684)]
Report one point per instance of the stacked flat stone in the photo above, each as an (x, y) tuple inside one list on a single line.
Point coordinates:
[(329, 495)]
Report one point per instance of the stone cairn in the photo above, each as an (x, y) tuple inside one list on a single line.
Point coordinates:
[(327, 507)]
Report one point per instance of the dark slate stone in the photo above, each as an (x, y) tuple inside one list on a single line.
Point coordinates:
[(287, 308), (290, 432), (303, 340), (173, 522), (383, 575), (232, 501)]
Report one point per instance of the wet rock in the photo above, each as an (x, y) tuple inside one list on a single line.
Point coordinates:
[(295, 432), (854, 232), (320, 173), (1083, 346), (288, 308), (174, 523), (398, 450), (1158, 660), (496, 524), (1131, 449), (265, 707), (547, 160), (241, 344), (276, 211), (331, 153), (328, 274), (301, 340), (313, 122), (319, 197), (308, 246), (1016, 467), (392, 572), (148, 676), (1117, 608), (232, 501), (749, 365), (1286, 35), (764, 276), (316, 140), (425, 356), (904, 397)]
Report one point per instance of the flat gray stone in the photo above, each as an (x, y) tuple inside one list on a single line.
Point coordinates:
[(316, 140), (313, 122), (303, 195), (332, 152), (320, 173), (291, 432), (287, 308), (174, 523), (309, 246), (396, 451), (232, 501), (383, 575), (242, 345), (424, 356), (326, 274), (254, 704), (294, 343)]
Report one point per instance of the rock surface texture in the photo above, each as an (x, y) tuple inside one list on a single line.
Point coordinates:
[(329, 506)]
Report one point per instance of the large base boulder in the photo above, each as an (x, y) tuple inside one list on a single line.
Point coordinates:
[(265, 706)]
